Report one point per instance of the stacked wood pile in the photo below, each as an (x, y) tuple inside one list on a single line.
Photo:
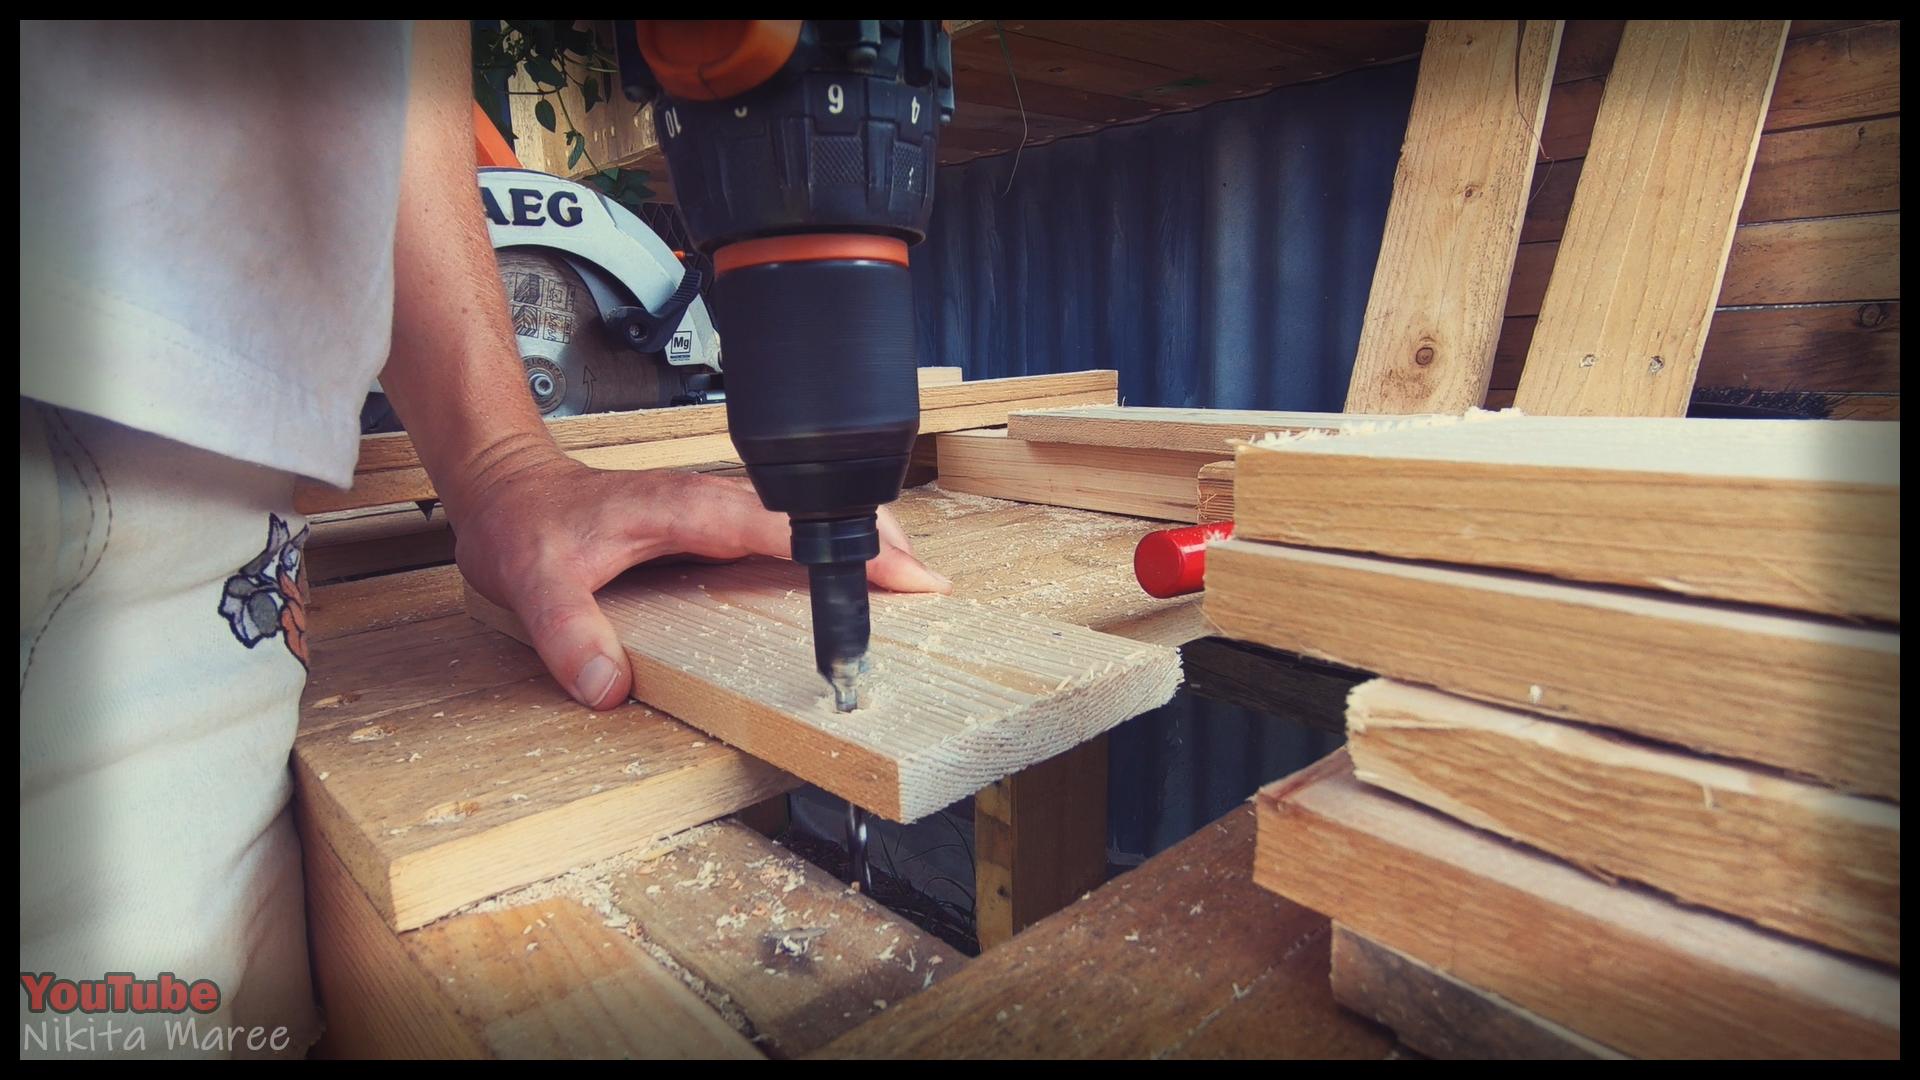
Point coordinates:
[(1639, 720)]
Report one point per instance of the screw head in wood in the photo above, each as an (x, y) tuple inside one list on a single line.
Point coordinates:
[(1654, 365)]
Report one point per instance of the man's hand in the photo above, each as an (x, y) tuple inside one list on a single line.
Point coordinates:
[(539, 535)]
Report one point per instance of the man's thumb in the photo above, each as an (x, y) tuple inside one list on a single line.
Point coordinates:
[(579, 648)]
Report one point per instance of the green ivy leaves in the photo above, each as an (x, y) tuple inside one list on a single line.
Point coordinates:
[(555, 54)]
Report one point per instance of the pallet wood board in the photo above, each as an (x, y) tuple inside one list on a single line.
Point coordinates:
[(1442, 1017), (959, 695), (1845, 168), (541, 980), (1795, 514), (1623, 967), (459, 799), (1201, 431), (1791, 856), (1817, 261), (1822, 348), (1849, 72), (353, 607), (1625, 317), (1812, 696), (1116, 480), (802, 958), (1459, 194), (389, 469), (1183, 957)]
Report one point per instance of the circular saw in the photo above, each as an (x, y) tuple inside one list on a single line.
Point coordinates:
[(606, 316)]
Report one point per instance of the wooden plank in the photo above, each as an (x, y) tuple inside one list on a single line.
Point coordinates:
[(1442, 1017), (1119, 480), (1791, 856), (1625, 316), (802, 958), (1825, 260), (1216, 492), (540, 980), (450, 802), (389, 470), (352, 607), (957, 696), (1058, 563), (1459, 195), (1200, 431), (1040, 841), (548, 980), (1810, 696), (393, 539), (377, 1003), (1623, 967), (1181, 958), (1815, 348), (1798, 514), (1850, 73), (1845, 168), (1844, 75), (358, 678)]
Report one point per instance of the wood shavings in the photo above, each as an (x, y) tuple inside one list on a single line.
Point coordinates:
[(372, 733)]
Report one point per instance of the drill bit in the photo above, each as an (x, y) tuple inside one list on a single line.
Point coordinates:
[(841, 627)]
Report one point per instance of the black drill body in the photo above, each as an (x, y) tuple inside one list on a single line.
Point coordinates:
[(819, 362)]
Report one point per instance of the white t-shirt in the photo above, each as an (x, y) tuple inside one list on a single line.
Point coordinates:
[(207, 220)]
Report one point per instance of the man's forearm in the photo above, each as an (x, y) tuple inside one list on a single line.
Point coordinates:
[(454, 374)]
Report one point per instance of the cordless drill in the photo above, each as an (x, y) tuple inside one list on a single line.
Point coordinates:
[(802, 153)]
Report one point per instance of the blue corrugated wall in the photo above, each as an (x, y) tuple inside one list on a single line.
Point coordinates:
[(1215, 258)]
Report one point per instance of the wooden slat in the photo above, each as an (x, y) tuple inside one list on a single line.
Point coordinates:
[(546, 980), (1811, 696), (389, 469), (361, 677), (1796, 514), (957, 696), (450, 802), (1827, 348), (1625, 316), (801, 957), (1798, 858), (1459, 194), (1181, 958), (1118, 480), (1201, 431), (1622, 967), (1823, 260), (1845, 168), (1441, 1016), (353, 607), (1216, 492), (391, 539), (1851, 73)]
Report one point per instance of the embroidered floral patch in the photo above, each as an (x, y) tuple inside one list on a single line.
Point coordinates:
[(269, 594)]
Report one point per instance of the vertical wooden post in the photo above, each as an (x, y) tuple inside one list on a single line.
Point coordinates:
[(1040, 841)]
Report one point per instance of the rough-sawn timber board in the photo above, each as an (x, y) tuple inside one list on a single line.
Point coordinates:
[(959, 694)]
